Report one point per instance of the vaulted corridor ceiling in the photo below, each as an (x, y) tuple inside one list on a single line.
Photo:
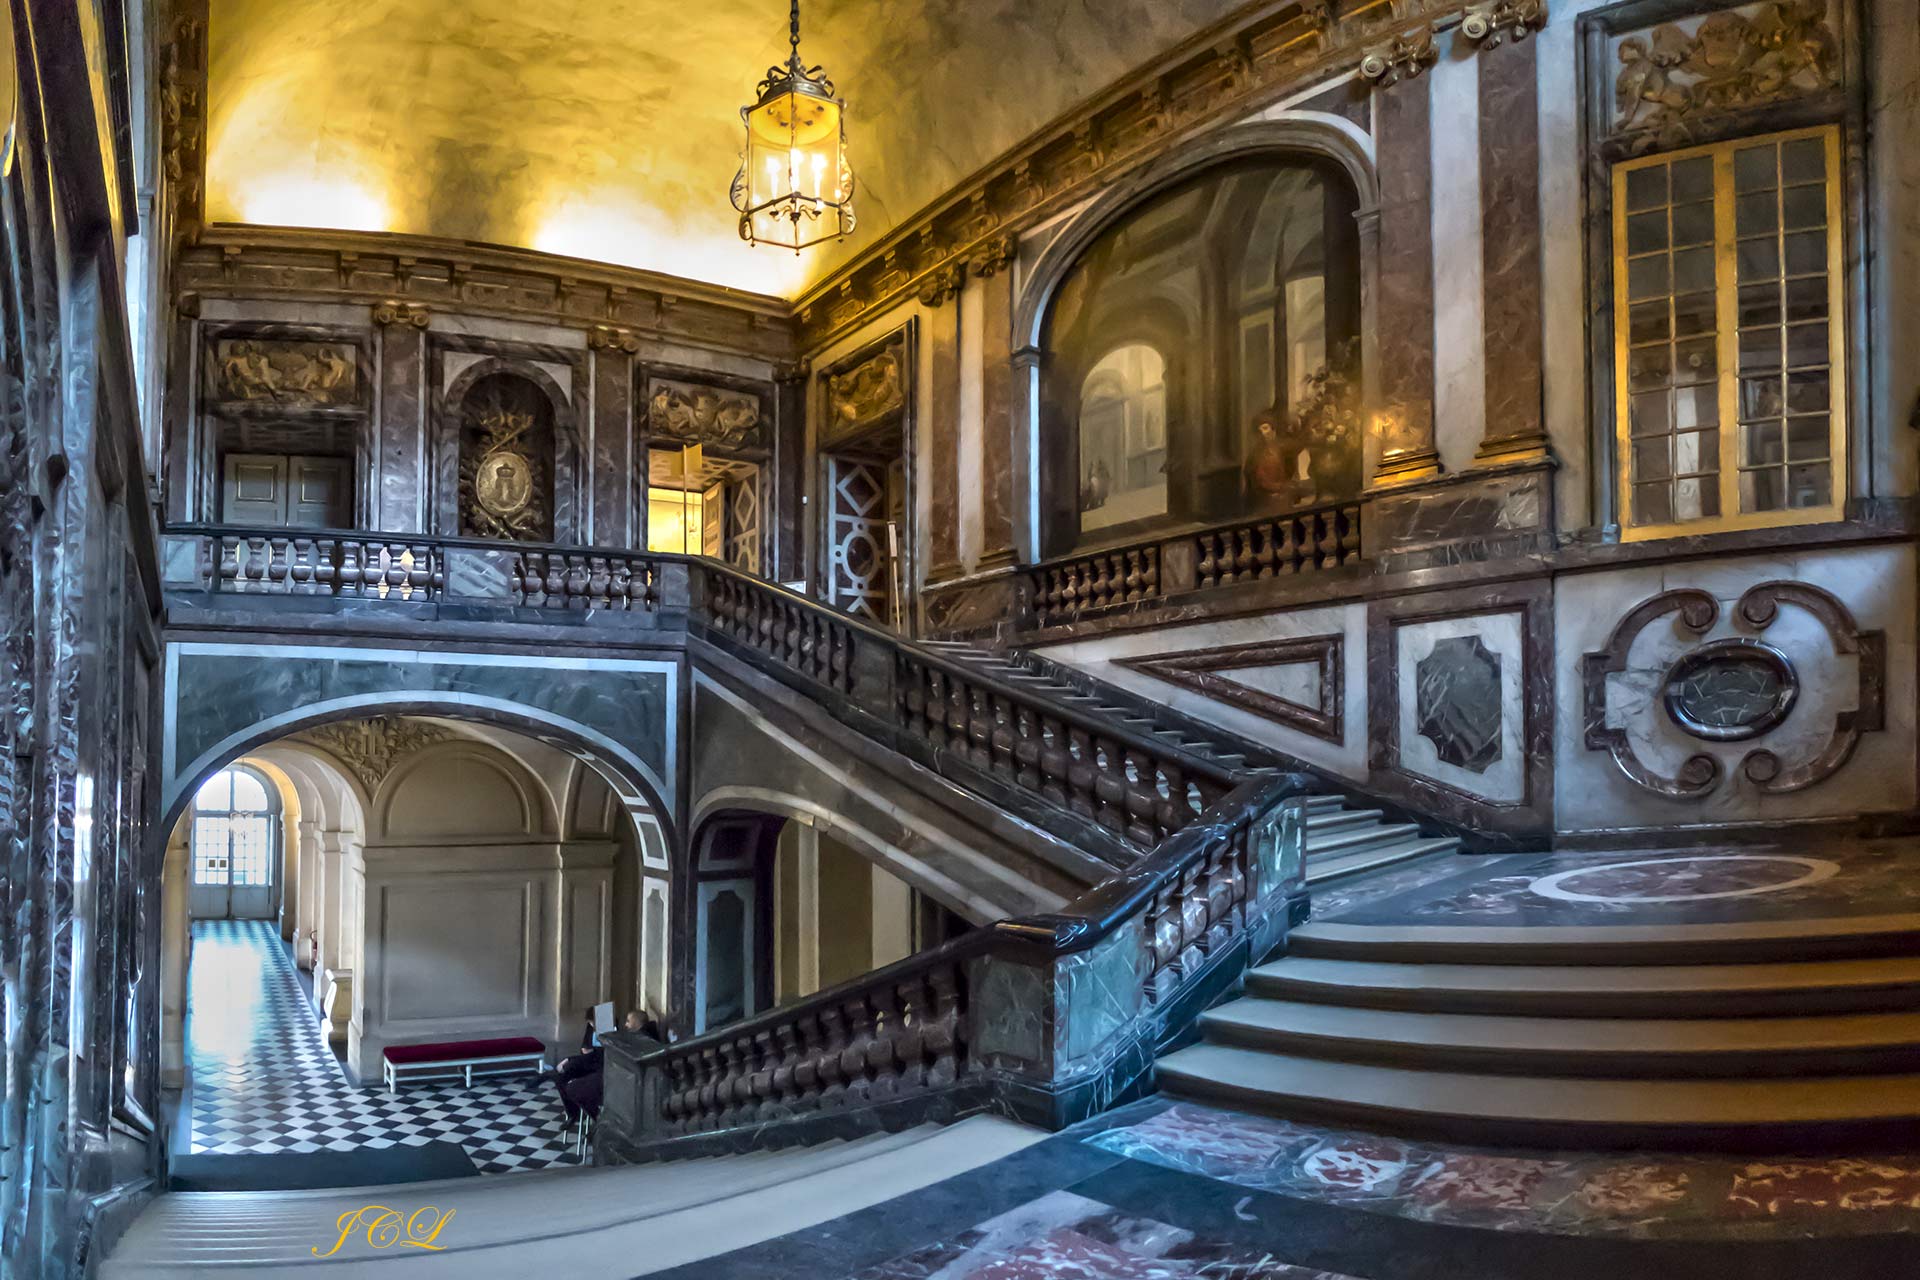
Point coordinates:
[(611, 130)]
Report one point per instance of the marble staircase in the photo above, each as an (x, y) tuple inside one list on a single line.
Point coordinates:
[(584, 1223), (1764, 1036), (1341, 841)]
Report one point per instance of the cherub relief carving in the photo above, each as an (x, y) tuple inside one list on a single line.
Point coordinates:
[(284, 372), (1730, 60)]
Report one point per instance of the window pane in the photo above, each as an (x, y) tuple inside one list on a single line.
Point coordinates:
[(1693, 179), (248, 794), (1653, 458), (1806, 253), (1760, 398), (1759, 305), (1696, 499), (1808, 392), (1697, 406), (1647, 277), (1810, 486), (216, 792), (1807, 344), (1763, 490), (1696, 453), (1694, 313), (1646, 232), (1649, 323), (1807, 298), (1753, 168), (1693, 224), (251, 844), (1759, 259), (1803, 207), (210, 849), (1759, 350), (1647, 188), (1648, 415), (1756, 213), (1763, 445), (1652, 367), (1694, 361), (1653, 503), (1807, 439)]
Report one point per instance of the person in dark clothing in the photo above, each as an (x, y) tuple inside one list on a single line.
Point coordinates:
[(576, 1067)]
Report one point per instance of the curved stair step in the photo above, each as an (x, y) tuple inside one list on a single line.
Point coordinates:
[(1338, 820), (1841, 1044), (1742, 943), (1360, 838), (1552, 1111), (1799, 987)]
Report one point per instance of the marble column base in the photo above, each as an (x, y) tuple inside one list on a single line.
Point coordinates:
[(336, 1005)]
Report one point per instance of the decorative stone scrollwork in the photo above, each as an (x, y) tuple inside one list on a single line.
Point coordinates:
[(1403, 59), (371, 748), (940, 285), (606, 337), (992, 257), (1736, 689), (1732, 59), (1505, 20), (395, 312)]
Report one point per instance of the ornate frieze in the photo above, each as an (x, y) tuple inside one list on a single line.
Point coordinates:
[(285, 371), (704, 414), (370, 749), (1235, 674), (1724, 61), (1734, 689)]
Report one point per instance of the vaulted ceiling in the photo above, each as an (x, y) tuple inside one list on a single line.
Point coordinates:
[(610, 130)]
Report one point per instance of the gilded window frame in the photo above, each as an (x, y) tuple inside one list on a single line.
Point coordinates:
[(1727, 339)]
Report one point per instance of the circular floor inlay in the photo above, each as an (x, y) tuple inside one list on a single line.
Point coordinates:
[(1686, 879)]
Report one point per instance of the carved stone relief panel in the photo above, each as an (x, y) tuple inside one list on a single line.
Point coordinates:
[(1457, 696), (1755, 689), (283, 371), (506, 461), (1671, 78), (868, 392), (1295, 682), (701, 413), (371, 748), (1460, 706), (1732, 689)]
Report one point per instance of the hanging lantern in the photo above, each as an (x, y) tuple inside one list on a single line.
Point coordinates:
[(794, 187)]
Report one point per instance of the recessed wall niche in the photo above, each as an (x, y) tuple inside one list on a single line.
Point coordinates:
[(507, 457), (506, 460)]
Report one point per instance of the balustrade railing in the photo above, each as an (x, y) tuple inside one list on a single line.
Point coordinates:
[(1295, 542), (1138, 786), (416, 569), (985, 1020)]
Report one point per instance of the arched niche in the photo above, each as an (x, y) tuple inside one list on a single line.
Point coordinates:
[(507, 457), (1243, 264), (458, 790)]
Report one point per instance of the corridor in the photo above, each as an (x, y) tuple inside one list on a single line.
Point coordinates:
[(263, 1082)]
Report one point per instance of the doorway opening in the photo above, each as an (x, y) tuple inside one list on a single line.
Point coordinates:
[(236, 835)]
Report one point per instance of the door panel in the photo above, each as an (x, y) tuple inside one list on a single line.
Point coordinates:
[(318, 493), (254, 489)]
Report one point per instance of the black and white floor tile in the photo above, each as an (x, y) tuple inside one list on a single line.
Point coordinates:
[(264, 1081)]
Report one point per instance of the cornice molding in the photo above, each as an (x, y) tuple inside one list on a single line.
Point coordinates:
[(1265, 52)]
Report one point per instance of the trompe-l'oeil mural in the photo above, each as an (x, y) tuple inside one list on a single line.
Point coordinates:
[(1204, 352)]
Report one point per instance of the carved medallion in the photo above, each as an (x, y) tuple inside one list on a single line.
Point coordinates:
[(1738, 688), (1457, 702), (506, 463), (503, 484), (1730, 690)]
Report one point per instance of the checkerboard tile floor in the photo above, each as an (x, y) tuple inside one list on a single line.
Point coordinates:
[(264, 1081)]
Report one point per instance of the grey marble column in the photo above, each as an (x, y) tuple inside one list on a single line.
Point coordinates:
[(1405, 315), (400, 505), (614, 471), (1510, 248), (941, 440)]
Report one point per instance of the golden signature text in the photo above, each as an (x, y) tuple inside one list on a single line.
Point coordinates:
[(386, 1228)]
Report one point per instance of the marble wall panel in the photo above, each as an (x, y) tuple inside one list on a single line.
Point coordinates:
[(1459, 298), (941, 441), (614, 465), (403, 456), (1874, 584), (996, 478), (1102, 656)]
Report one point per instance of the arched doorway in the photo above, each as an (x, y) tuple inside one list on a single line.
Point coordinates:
[(234, 846)]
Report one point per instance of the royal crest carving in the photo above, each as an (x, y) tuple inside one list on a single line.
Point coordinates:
[(710, 415), (371, 749), (506, 465), (1707, 698), (286, 371), (1732, 59), (867, 392)]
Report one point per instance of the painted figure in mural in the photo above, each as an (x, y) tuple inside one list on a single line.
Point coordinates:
[(1097, 487), (1275, 468), (1311, 454)]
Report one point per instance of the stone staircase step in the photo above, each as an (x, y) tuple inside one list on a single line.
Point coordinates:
[(1323, 868), (1780, 988), (1325, 804), (1840, 1044), (1551, 1111), (1357, 839), (1319, 821), (1747, 942)]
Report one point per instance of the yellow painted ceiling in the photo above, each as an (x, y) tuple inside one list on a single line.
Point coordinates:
[(610, 130)]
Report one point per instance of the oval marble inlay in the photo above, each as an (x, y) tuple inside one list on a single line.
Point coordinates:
[(1730, 690), (1685, 879)]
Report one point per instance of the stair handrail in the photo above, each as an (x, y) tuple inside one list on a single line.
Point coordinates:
[(924, 1038)]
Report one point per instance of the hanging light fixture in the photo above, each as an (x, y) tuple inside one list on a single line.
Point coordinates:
[(794, 187)]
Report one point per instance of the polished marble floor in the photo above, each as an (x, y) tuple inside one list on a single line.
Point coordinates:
[(1806, 879), (264, 1082)]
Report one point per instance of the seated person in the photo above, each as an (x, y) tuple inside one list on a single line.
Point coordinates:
[(579, 1080)]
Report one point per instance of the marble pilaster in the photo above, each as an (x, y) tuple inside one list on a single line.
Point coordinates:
[(402, 426), (997, 401), (613, 443), (1510, 244), (1405, 298), (942, 438)]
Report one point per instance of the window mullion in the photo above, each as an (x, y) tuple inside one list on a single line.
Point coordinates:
[(1726, 333)]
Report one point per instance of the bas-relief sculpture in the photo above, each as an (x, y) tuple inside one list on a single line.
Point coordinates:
[(371, 748), (1730, 690), (702, 414), (286, 372), (865, 394), (1723, 61), (506, 462)]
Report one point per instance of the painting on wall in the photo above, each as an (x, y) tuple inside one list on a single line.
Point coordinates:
[(1202, 355)]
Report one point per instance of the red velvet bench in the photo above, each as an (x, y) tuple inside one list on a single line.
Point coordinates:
[(462, 1058)]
